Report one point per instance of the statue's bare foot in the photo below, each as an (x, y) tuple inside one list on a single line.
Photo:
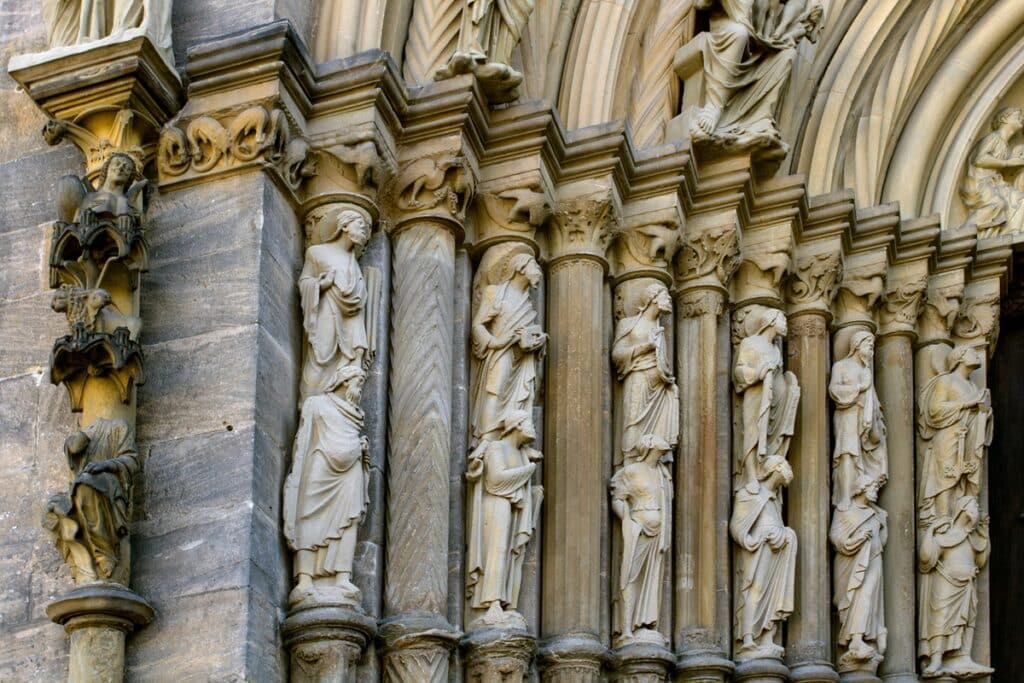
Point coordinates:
[(706, 119)]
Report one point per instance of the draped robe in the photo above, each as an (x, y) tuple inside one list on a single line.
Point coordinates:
[(857, 571), (650, 398), (859, 428)]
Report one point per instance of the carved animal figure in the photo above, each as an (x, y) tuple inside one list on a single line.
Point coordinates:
[(256, 130), (364, 157), (429, 175), (208, 141)]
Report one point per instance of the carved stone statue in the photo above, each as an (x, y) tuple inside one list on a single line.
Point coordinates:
[(118, 192), (503, 507), (325, 495), (746, 59), (765, 561), (334, 297), (955, 423), (507, 339), (769, 396), (952, 551), (996, 204), (859, 533), (89, 524), (860, 448), (72, 22), (490, 31), (642, 500), (650, 398)]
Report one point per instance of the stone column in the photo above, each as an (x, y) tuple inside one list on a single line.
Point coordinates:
[(702, 619), (574, 477), (810, 291), (894, 377), (416, 632)]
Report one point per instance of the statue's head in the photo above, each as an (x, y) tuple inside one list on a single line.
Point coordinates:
[(868, 486), (658, 295), (1013, 116), (650, 445), (519, 421), (772, 319), (862, 345), (525, 265), (964, 356), (353, 224), (117, 172), (350, 380)]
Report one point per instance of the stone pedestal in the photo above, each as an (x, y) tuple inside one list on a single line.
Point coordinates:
[(417, 647), (326, 642), (98, 616), (763, 670), (641, 663), (498, 655)]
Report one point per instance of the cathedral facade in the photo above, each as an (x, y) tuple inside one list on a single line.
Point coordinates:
[(512, 340)]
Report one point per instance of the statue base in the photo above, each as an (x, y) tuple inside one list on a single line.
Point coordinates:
[(762, 670), (641, 662), (573, 657), (703, 665), (120, 72), (98, 616), (326, 641), (499, 654)]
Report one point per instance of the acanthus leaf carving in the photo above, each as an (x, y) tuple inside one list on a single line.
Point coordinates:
[(713, 252), (815, 280), (903, 305), (583, 225)]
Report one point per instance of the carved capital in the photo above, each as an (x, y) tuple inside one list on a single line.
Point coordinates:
[(699, 302), (439, 184), (712, 256), (515, 213), (326, 642), (977, 322), (814, 282), (762, 271), (498, 655), (572, 658), (416, 649), (100, 135), (902, 306), (642, 663), (645, 249), (808, 324), (350, 162), (860, 294), (941, 307), (583, 227), (255, 137)]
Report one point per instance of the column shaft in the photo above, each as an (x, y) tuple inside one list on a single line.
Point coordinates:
[(809, 641), (894, 363), (574, 481), (416, 587)]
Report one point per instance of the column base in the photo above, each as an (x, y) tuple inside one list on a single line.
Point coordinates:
[(572, 658), (326, 641), (703, 666), (417, 647), (499, 654), (813, 672), (761, 670), (98, 616), (858, 677), (642, 663)]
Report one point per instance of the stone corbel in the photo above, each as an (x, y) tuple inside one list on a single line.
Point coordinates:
[(511, 209), (766, 260), (857, 300), (642, 253), (438, 185)]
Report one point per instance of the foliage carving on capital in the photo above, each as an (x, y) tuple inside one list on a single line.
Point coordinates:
[(439, 182), (583, 225), (714, 253), (978, 320), (940, 310), (902, 305), (700, 302), (815, 280), (256, 134)]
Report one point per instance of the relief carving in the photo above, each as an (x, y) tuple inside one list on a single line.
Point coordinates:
[(746, 59), (955, 426), (815, 280), (993, 185), (429, 183), (712, 252), (858, 533), (641, 487), (903, 305), (860, 292), (941, 307), (583, 226), (325, 495), (765, 551), (978, 319), (645, 246)]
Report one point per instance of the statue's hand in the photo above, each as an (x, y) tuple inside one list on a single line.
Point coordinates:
[(326, 278), (99, 467)]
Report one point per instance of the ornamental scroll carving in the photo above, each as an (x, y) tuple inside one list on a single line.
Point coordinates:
[(858, 532), (815, 280), (765, 548), (508, 344), (746, 59), (641, 487), (256, 134), (993, 185), (955, 427), (711, 252), (97, 250), (325, 494)]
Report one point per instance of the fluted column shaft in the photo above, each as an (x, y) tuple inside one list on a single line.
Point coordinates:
[(416, 629), (701, 568), (894, 376), (809, 641)]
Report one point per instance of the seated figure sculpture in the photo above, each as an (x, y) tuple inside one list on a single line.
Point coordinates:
[(996, 205)]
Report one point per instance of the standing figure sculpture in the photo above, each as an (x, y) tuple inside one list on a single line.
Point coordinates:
[(858, 534), (503, 507), (72, 22), (507, 340), (746, 58), (89, 524), (996, 205), (769, 397), (333, 296), (952, 552), (955, 424), (765, 562), (642, 500), (650, 398)]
